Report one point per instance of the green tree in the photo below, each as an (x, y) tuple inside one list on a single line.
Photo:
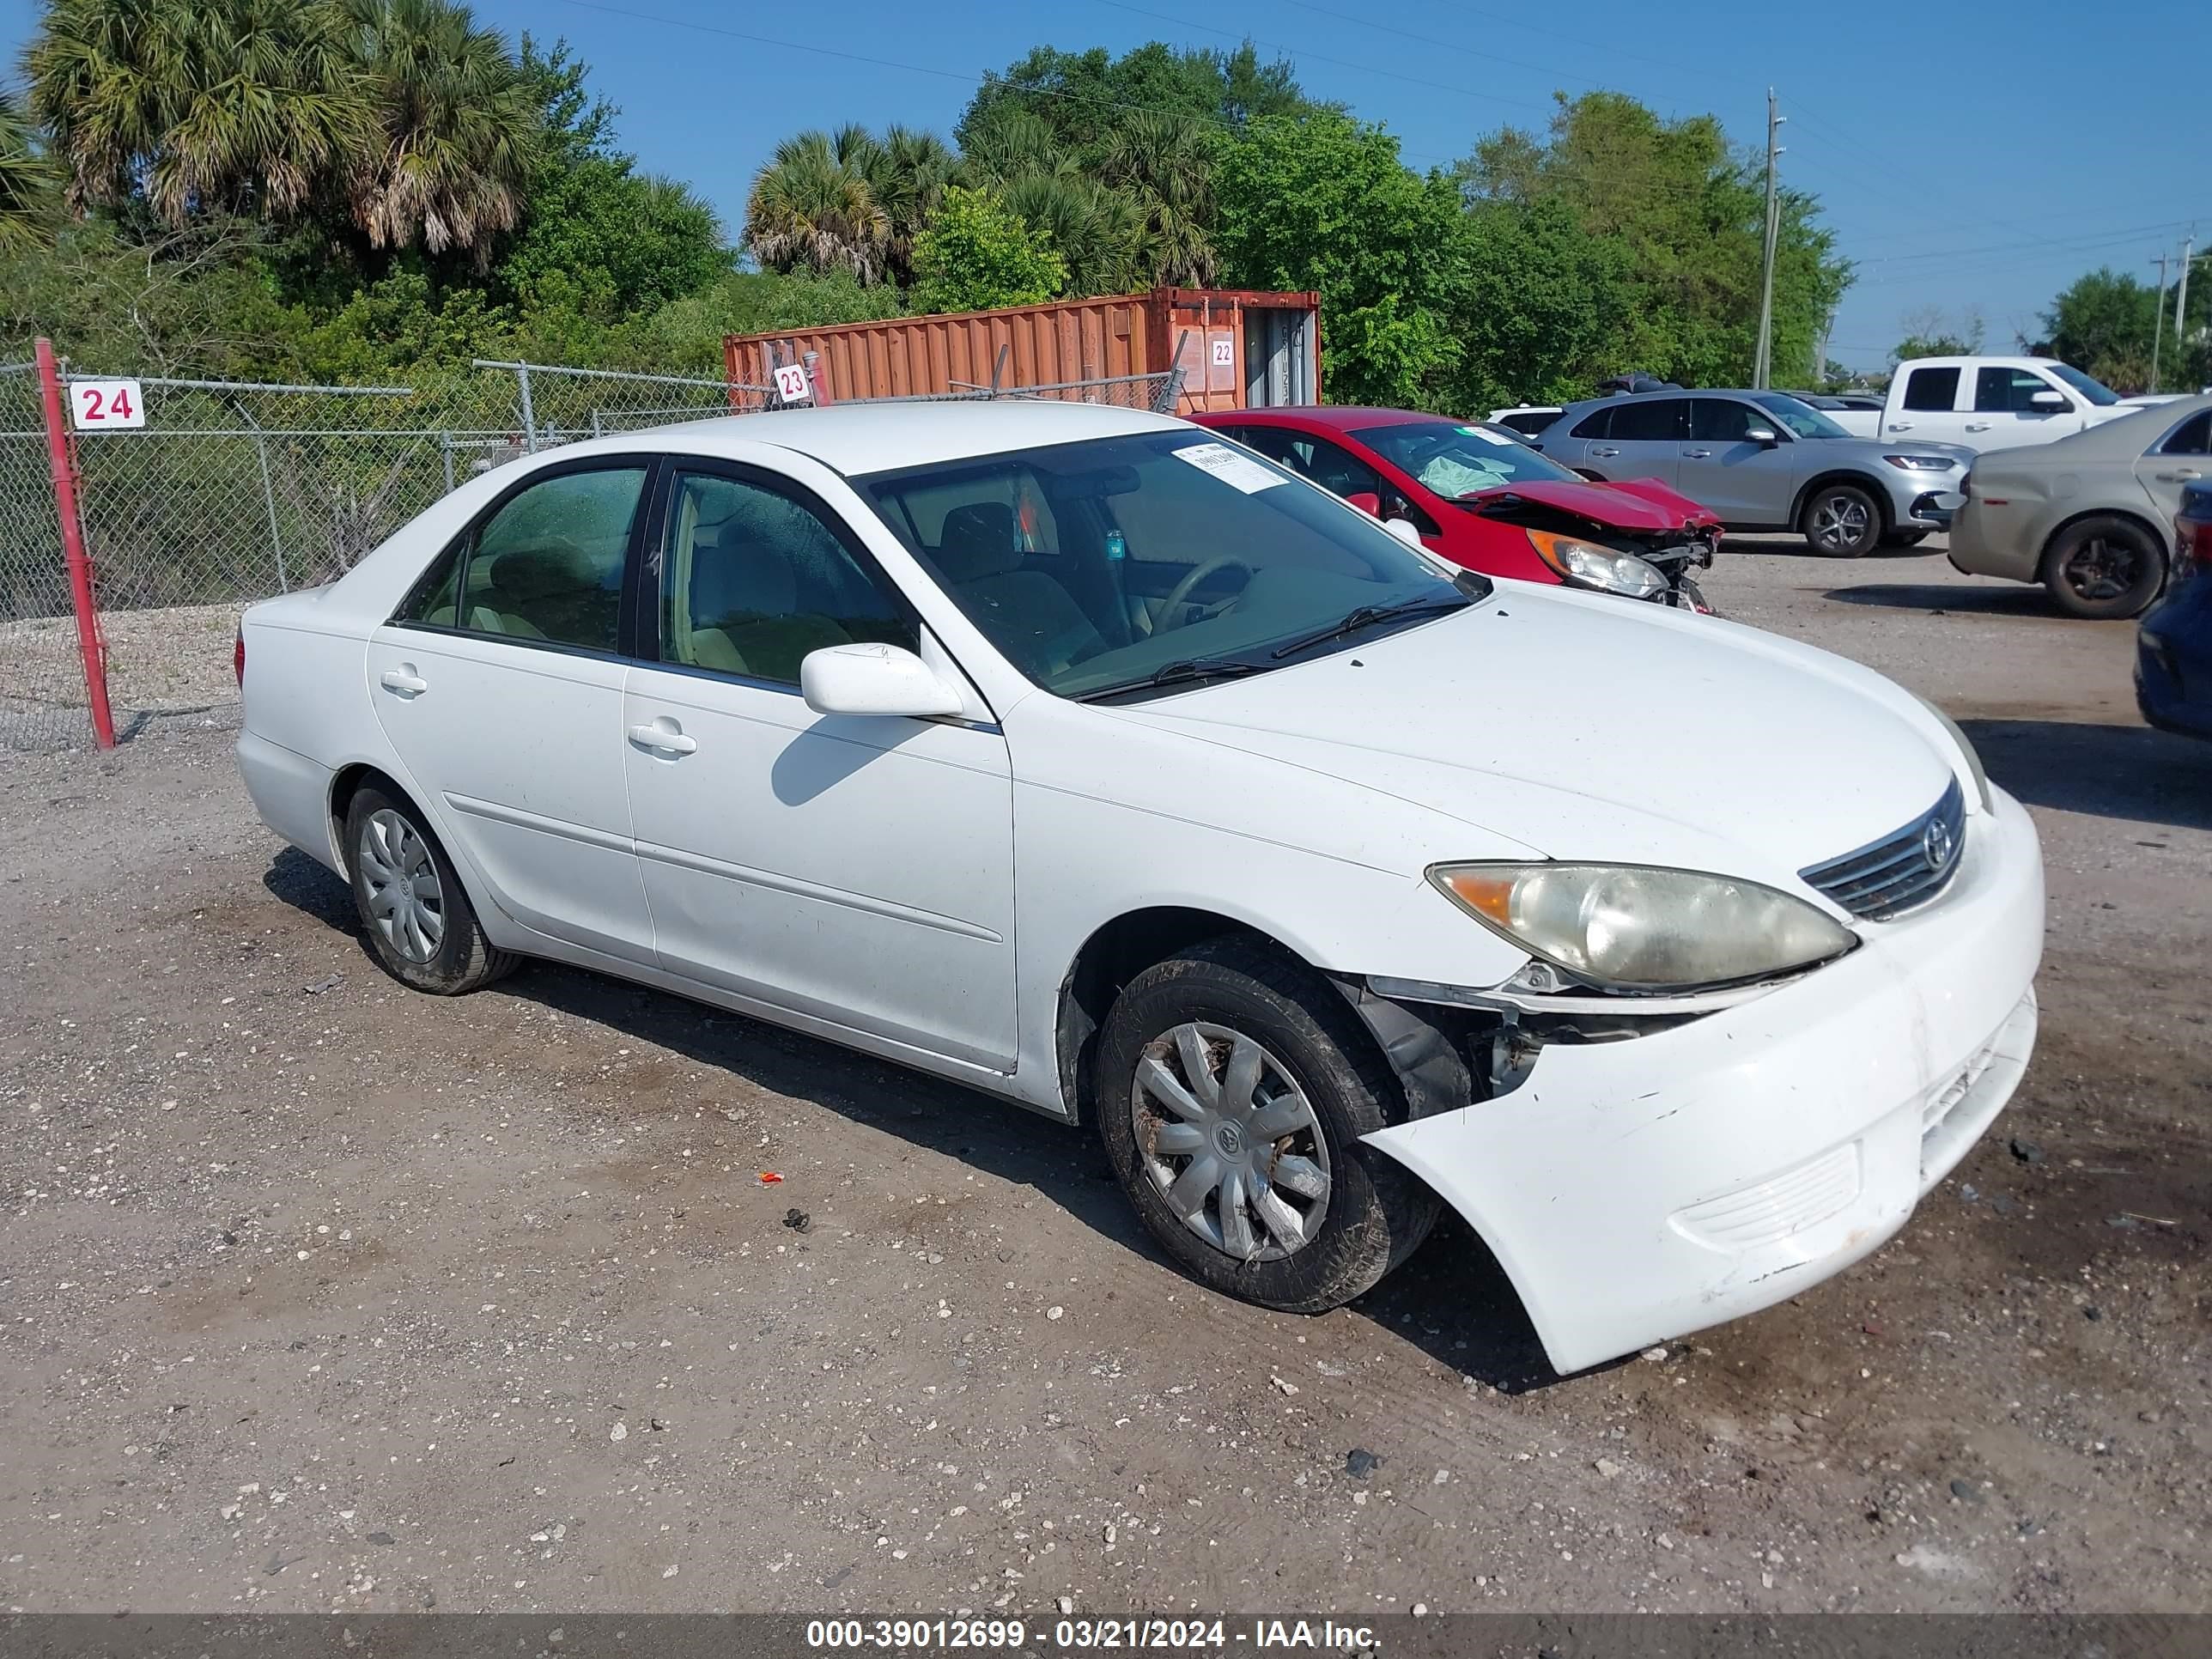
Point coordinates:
[(1542, 311), (1165, 163), (200, 106), (977, 253), (627, 241), (2108, 323), (1929, 331), (1084, 97), (1320, 202), (457, 128), (1689, 211)]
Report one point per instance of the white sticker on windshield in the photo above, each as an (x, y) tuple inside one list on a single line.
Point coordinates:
[(1238, 471), (1487, 435)]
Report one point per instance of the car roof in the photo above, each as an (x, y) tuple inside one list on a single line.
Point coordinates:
[(1329, 417), (1589, 403), (883, 436)]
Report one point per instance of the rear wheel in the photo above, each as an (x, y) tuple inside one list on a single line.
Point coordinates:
[(1233, 1088), (419, 923), (1842, 521), (2104, 568)]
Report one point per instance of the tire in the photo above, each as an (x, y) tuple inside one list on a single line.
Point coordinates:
[(1335, 1215), (2104, 568), (1842, 521), (429, 938)]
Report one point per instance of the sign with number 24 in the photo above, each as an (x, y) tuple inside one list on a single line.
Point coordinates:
[(96, 406)]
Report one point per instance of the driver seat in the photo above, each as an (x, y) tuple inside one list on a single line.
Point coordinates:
[(1029, 616)]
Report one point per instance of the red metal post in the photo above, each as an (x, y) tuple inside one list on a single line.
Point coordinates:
[(80, 566)]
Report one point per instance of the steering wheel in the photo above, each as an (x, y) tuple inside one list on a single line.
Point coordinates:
[(1179, 595)]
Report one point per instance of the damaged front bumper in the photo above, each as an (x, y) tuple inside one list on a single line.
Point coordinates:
[(1640, 1189)]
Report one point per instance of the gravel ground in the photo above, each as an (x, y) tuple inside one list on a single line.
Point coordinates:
[(165, 668), (320, 1295)]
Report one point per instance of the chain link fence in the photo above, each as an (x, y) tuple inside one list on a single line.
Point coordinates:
[(231, 492)]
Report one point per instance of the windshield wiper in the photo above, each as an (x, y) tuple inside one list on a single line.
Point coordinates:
[(1367, 616), (1183, 671)]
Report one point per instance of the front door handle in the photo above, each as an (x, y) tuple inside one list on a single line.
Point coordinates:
[(1695, 454), (1977, 426), (1900, 426), (2179, 474), (1605, 454), (404, 680), (663, 734)]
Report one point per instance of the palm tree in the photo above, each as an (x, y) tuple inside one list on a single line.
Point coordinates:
[(812, 207), (1165, 161), (26, 183), (456, 129), (196, 105), (907, 172), (1098, 233)]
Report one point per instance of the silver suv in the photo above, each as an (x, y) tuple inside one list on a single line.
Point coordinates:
[(1762, 460)]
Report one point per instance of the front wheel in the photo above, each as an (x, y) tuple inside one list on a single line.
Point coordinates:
[(2104, 568), (1233, 1088), (1842, 521)]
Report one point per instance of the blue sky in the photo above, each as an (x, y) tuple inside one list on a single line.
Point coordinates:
[(1974, 155)]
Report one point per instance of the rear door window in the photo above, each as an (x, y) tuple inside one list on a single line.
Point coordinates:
[(1659, 421), (1932, 389), (2193, 436)]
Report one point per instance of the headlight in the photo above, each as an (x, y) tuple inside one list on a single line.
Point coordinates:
[(1922, 463), (1632, 928), (1966, 748), (1585, 564)]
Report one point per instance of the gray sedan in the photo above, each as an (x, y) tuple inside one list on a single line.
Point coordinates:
[(2091, 515), (1762, 460)]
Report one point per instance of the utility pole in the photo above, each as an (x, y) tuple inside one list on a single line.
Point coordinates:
[(2158, 323), (2181, 298), (1763, 364)]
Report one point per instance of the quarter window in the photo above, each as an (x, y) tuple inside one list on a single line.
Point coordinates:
[(1598, 423), (1932, 389), (751, 580)]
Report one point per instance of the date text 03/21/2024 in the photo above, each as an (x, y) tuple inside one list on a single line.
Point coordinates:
[(1086, 1634)]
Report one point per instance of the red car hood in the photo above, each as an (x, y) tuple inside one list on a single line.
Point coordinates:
[(1641, 505)]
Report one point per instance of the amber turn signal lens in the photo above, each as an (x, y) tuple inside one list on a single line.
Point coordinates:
[(1488, 894)]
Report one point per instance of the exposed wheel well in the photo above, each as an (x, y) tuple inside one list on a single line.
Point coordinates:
[(348, 784), (1859, 480), (1109, 959)]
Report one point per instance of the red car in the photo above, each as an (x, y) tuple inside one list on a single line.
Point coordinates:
[(1479, 496)]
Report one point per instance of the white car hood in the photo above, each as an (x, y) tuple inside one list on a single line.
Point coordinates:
[(1591, 727)]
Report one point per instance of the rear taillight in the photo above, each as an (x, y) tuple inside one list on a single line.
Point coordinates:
[(238, 656), (2194, 538)]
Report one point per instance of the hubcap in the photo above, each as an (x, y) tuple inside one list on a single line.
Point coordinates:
[(1231, 1142), (405, 901), (2101, 570), (1839, 521)]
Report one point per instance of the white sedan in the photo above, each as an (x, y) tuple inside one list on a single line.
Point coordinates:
[(1080, 756)]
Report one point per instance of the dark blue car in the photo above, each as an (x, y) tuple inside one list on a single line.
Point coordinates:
[(2174, 649)]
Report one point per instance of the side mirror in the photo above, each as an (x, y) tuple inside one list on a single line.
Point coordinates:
[(1764, 436), (1367, 501), (878, 680), (2049, 399), (1404, 530)]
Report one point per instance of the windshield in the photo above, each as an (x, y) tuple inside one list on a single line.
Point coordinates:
[(1459, 460), (1095, 566), (2095, 391), (1800, 418)]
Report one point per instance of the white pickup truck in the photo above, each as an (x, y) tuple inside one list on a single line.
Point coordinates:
[(1996, 403)]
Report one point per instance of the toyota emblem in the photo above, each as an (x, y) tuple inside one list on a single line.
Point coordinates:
[(1936, 845)]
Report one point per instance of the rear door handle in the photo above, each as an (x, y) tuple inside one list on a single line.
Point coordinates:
[(404, 680), (1608, 453), (663, 734), (1695, 454), (1900, 426), (1977, 426), (2179, 474)]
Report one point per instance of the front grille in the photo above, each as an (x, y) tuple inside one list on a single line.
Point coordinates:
[(1899, 871)]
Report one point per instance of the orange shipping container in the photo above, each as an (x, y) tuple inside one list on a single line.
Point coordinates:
[(1239, 349)]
